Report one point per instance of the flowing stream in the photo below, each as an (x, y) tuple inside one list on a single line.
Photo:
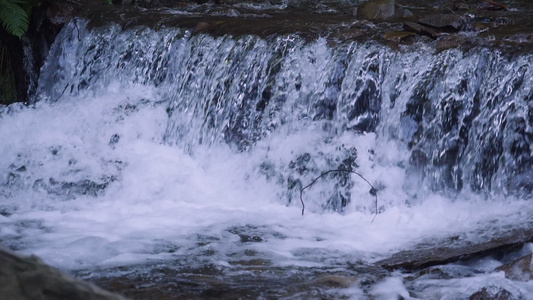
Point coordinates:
[(155, 147)]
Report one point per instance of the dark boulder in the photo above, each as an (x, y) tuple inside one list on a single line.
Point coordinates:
[(29, 278)]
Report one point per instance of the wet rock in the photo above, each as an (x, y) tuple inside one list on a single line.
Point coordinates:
[(420, 29), (250, 280), (68, 190), (492, 5), (447, 42), (139, 3), (29, 278), (115, 138), (494, 293), (201, 27), (377, 10), (491, 239), (447, 272), (418, 158), (461, 6), (60, 13), (334, 281), (406, 13), (445, 22), (148, 3), (381, 10), (230, 12), (350, 34), (398, 36), (466, 5), (247, 234), (520, 269), (252, 262)]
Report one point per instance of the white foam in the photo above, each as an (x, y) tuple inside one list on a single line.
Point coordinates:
[(163, 201), (390, 288)]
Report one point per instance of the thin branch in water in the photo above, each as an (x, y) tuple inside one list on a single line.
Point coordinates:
[(62, 93), (498, 5), (373, 190)]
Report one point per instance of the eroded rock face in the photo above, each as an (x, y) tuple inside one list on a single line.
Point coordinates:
[(29, 278)]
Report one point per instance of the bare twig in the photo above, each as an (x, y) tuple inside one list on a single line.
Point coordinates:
[(62, 93), (373, 190), (494, 3)]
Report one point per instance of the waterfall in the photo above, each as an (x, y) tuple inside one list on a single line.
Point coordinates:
[(461, 119), (144, 144)]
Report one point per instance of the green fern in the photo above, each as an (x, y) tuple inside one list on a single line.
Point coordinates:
[(13, 17)]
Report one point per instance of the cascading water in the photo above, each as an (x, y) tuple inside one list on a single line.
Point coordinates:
[(146, 145)]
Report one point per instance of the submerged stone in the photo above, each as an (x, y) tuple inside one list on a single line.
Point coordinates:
[(448, 42)]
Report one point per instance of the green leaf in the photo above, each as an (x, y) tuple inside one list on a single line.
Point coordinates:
[(13, 17)]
